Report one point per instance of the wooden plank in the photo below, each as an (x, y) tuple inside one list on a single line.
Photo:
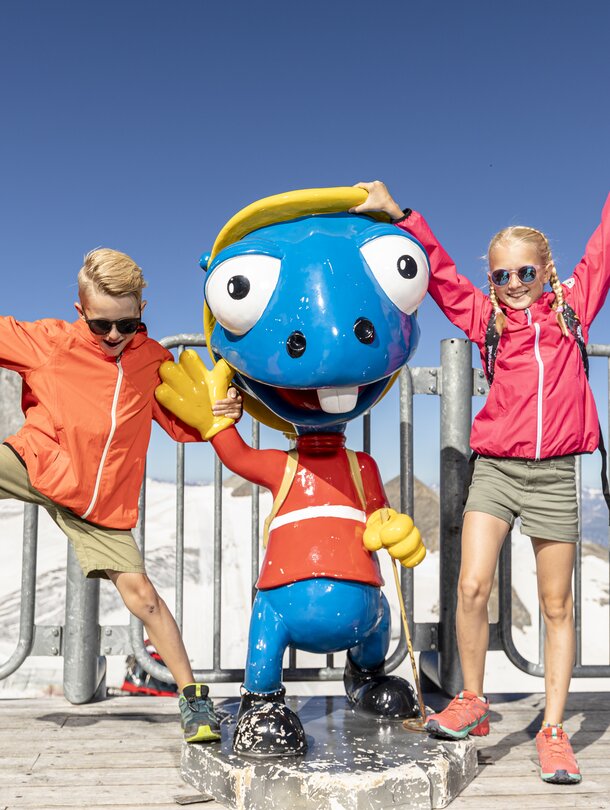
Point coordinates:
[(594, 721), (505, 749), (59, 706), (60, 719), (529, 785), (92, 777), (162, 805), (581, 700), (598, 763), (136, 759), (583, 800), (67, 747), (521, 736), (140, 701), (143, 731), (25, 762), (78, 796)]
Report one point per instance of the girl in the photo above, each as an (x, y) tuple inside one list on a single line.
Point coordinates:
[(540, 412)]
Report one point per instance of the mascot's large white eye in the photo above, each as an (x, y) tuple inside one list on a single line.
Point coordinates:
[(400, 267), (239, 289)]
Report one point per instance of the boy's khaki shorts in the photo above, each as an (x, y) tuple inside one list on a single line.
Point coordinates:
[(542, 493), (97, 549)]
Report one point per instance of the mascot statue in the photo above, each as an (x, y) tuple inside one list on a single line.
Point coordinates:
[(310, 311)]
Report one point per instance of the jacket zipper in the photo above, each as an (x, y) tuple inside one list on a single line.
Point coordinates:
[(113, 410), (540, 385)]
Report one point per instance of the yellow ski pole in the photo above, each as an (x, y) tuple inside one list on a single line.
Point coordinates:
[(413, 723)]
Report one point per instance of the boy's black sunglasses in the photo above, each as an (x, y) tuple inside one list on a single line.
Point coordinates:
[(125, 326), (526, 274)]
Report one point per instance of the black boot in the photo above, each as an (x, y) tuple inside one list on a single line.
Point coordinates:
[(252, 700), (266, 727), (374, 692)]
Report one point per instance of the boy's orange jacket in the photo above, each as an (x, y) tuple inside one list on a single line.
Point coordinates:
[(88, 416)]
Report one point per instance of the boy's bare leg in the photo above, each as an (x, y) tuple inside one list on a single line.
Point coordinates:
[(142, 599), (554, 567), (482, 538)]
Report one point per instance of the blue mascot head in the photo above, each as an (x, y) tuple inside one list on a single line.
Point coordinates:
[(312, 306)]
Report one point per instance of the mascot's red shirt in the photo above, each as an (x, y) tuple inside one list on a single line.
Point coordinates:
[(318, 529)]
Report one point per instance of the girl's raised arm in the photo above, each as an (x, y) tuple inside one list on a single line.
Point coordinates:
[(590, 280), (466, 306)]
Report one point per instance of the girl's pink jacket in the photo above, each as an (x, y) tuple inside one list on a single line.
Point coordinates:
[(540, 404)]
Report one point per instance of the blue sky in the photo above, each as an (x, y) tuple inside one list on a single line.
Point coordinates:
[(145, 125)]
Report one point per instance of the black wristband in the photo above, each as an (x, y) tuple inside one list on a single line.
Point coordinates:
[(406, 212)]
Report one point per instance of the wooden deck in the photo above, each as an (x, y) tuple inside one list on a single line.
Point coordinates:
[(124, 754)]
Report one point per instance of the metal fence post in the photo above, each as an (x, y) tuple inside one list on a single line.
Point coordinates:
[(84, 668), (28, 592), (456, 415)]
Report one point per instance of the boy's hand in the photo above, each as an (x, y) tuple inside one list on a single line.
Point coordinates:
[(190, 391), (394, 531), (231, 406), (379, 199)]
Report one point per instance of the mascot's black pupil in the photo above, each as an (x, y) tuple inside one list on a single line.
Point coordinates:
[(238, 287), (407, 266)]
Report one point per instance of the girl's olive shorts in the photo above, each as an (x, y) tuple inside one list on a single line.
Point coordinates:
[(542, 493)]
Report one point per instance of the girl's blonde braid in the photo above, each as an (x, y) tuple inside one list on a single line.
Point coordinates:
[(555, 284), (500, 316), (558, 303)]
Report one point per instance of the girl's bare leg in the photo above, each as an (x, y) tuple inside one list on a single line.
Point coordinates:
[(482, 538), (554, 568)]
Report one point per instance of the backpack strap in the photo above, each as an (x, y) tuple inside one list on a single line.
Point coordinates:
[(292, 462), (575, 328), (492, 338), (574, 325), (354, 468), (604, 472)]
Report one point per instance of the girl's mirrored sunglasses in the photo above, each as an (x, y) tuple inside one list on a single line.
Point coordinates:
[(125, 326), (526, 274)]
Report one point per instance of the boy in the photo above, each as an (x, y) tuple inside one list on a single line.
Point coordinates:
[(88, 399)]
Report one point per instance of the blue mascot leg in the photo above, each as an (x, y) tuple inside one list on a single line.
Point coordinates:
[(266, 727), (371, 653), (267, 641), (366, 685)]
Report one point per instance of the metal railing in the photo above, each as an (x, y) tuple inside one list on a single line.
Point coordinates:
[(83, 643)]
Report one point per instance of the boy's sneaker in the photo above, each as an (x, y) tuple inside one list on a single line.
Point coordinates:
[(557, 761), (466, 714), (199, 721)]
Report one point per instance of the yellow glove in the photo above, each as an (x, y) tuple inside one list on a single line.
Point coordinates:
[(387, 528), (189, 391)]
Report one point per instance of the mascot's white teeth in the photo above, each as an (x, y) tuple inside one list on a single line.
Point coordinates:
[(338, 400)]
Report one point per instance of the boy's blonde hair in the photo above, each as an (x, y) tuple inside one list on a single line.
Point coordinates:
[(537, 240), (112, 273)]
